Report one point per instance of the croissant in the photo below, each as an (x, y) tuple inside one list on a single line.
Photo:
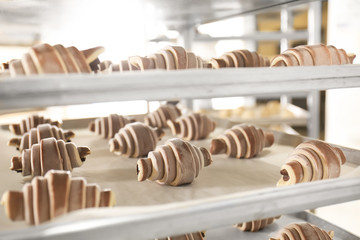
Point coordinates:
[(313, 55), (160, 116), (175, 163), (40, 132), (44, 58), (135, 140), (190, 236), (30, 122), (240, 58), (256, 225), (303, 231), (53, 195), (108, 126), (168, 58), (193, 126), (242, 141), (49, 154), (311, 161)]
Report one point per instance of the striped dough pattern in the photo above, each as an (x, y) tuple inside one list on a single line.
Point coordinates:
[(256, 225), (312, 55), (44, 58), (53, 195), (160, 116), (108, 126), (311, 161), (135, 140), (240, 58), (168, 58), (190, 236), (303, 231), (242, 141), (49, 154), (175, 163), (40, 132), (31, 122), (193, 126)]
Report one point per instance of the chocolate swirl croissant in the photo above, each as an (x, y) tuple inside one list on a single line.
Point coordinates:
[(312, 55), (303, 231), (311, 161), (168, 58), (256, 225), (175, 163), (193, 126), (49, 154), (53, 195), (160, 116), (240, 58), (108, 126), (44, 58), (34, 135), (135, 140), (31, 122), (190, 236), (242, 141)]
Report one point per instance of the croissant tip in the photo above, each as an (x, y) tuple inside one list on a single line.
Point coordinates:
[(14, 142), (143, 169), (91, 126), (16, 164), (83, 152), (217, 146), (114, 145)]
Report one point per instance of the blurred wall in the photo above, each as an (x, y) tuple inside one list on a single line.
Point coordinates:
[(342, 111)]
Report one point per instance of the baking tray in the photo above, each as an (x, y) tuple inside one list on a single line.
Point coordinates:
[(289, 114), (224, 193), (232, 233)]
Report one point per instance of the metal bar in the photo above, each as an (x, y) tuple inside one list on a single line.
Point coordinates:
[(257, 36), (286, 25), (55, 90), (313, 124), (314, 22), (314, 29)]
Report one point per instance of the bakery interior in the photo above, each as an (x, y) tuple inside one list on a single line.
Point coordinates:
[(296, 103)]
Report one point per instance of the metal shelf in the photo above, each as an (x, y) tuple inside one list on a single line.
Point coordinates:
[(54, 90), (148, 222), (191, 13)]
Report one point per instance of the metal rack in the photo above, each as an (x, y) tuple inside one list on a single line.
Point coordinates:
[(187, 37), (146, 222), (52, 90)]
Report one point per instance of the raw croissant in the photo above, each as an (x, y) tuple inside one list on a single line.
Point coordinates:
[(168, 58), (30, 122), (191, 236), (49, 154), (242, 141), (160, 116), (135, 140), (311, 161), (44, 58), (40, 132), (53, 195), (108, 126), (256, 225), (175, 163), (303, 231), (313, 55), (193, 126), (240, 58)]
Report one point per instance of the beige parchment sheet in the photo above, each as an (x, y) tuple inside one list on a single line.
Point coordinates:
[(223, 176)]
